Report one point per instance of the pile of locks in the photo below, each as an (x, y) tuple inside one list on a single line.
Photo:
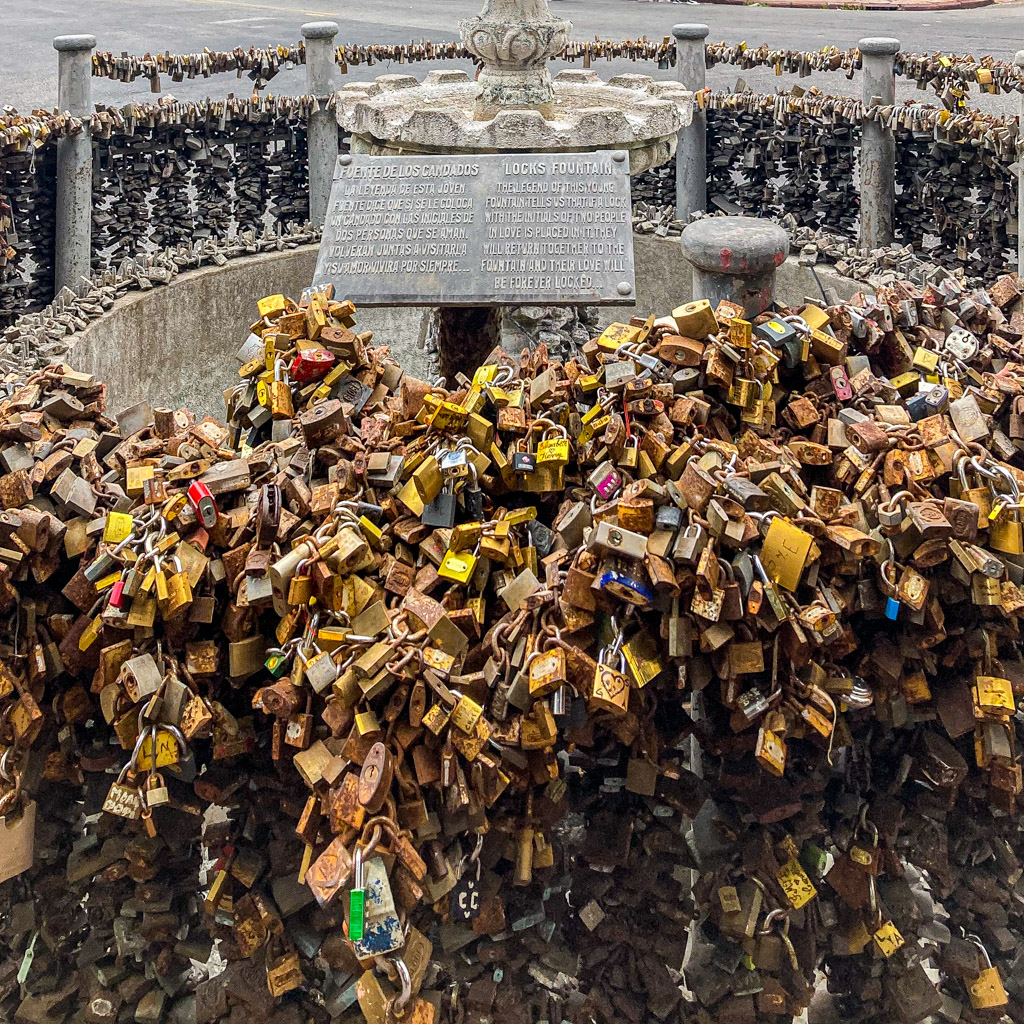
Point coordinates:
[(415, 703)]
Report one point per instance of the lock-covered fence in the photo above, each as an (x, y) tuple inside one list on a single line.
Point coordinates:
[(162, 174)]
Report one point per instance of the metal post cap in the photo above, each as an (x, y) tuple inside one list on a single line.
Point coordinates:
[(741, 246), (320, 30), (79, 42), (879, 46), (690, 31)]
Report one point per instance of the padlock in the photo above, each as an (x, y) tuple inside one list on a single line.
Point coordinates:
[(546, 671), (610, 688), (522, 459), (155, 792), (554, 447), (382, 931), (17, 834), (320, 670), (280, 394), (605, 480), (311, 364), (754, 409), (630, 456), (179, 591), (441, 511), (123, 799), (201, 500), (454, 463), (465, 897), (458, 566), (986, 991), (770, 750), (616, 540)]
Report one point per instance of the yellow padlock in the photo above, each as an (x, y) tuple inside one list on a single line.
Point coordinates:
[(986, 991), (117, 527), (458, 566), (1005, 531), (784, 552), (554, 448)]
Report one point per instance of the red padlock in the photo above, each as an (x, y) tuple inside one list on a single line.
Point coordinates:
[(117, 598), (201, 500), (311, 364), (840, 383)]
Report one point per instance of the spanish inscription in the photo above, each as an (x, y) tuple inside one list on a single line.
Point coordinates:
[(468, 230)]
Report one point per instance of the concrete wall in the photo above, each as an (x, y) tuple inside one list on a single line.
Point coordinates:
[(175, 345)]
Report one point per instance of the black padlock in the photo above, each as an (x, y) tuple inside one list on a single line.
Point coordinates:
[(465, 905), (473, 498), (523, 461), (441, 511)]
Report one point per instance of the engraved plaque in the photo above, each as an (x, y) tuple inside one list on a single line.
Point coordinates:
[(552, 228)]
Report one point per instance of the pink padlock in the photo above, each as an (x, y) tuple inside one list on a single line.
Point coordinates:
[(840, 383), (117, 596), (606, 480)]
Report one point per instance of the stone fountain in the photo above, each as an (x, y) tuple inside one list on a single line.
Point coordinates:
[(513, 106)]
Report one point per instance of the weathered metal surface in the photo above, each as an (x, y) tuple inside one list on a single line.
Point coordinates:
[(499, 229)]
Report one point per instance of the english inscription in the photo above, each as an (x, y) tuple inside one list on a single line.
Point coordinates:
[(495, 228)]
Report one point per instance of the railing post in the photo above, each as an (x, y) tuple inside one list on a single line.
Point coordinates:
[(691, 150), (1019, 61), (322, 127), (878, 145), (74, 162)]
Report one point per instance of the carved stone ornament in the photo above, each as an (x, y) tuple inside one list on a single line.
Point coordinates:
[(514, 39)]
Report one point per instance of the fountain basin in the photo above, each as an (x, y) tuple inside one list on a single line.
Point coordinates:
[(397, 114)]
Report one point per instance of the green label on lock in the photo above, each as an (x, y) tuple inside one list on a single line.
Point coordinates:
[(356, 904)]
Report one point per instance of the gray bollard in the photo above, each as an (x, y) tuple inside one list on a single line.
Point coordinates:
[(691, 150), (74, 162), (878, 145), (1019, 61), (322, 126), (735, 258)]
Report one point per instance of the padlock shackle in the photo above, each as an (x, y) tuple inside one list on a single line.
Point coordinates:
[(396, 1004), (976, 940)]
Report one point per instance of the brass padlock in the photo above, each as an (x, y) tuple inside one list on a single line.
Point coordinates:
[(280, 401), (610, 689)]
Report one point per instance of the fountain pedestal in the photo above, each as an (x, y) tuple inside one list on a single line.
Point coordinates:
[(514, 106)]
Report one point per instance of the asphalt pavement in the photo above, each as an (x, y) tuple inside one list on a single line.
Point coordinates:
[(28, 75)]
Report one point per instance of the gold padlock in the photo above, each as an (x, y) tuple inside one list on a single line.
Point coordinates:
[(554, 448), (546, 671), (458, 566), (986, 991), (610, 691), (281, 407)]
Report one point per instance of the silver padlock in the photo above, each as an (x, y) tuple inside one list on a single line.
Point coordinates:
[(890, 513), (690, 544), (961, 344), (321, 670), (613, 538)]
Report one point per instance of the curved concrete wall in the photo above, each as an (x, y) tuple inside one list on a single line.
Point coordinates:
[(175, 345)]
